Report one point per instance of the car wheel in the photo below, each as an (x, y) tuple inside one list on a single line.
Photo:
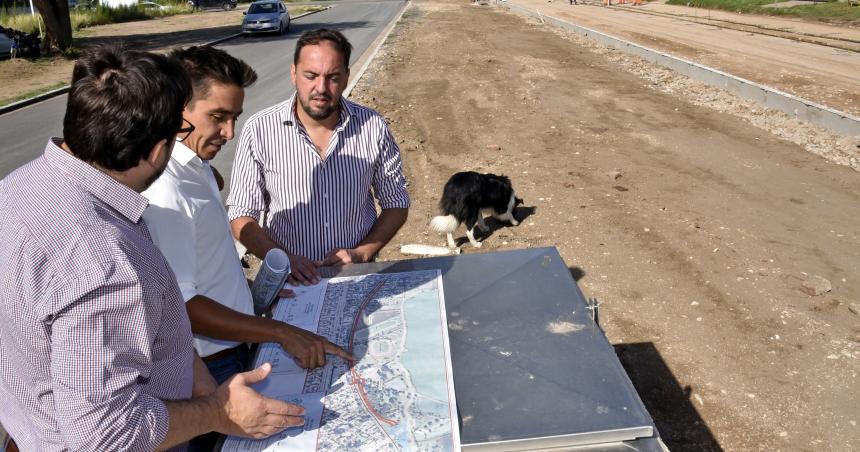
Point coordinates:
[(288, 25), (226, 6)]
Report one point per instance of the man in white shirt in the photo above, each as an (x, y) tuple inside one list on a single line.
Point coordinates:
[(189, 224)]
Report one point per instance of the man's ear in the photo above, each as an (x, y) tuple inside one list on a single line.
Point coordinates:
[(159, 153), (293, 73)]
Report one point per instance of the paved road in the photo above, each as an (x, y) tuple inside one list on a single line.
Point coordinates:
[(23, 133)]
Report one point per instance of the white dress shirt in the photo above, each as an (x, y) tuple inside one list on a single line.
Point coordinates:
[(189, 224)]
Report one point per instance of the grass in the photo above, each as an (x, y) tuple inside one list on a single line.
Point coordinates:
[(98, 16), (34, 93), (831, 10)]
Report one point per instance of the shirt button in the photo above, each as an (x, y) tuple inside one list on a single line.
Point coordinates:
[(326, 224), (325, 195)]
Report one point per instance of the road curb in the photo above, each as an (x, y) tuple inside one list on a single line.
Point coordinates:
[(796, 107), (60, 91), (373, 50)]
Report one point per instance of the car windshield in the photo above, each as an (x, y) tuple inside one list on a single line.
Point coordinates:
[(263, 8)]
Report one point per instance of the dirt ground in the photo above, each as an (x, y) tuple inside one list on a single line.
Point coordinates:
[(750, 46), (725, 256)]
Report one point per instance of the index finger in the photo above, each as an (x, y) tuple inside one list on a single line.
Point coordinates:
[(279, 407), (336, 350)]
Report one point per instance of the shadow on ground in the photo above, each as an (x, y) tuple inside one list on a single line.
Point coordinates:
[(154, 41), (577, 273), (677, 420)]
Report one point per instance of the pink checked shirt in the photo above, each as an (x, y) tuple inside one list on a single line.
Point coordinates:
[(93, 331)]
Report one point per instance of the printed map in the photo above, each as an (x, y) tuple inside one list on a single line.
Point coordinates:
[(397, 395)]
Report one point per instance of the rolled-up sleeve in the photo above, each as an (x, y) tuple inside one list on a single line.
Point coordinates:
[(101, 350), (389, 183), (247, 180)]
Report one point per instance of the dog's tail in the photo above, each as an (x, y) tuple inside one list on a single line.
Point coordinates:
[(442, 224)]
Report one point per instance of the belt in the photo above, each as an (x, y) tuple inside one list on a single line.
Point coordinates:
[(223, 353), (11, 446)]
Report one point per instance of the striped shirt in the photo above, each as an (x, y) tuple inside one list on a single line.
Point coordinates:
[(314, 205), (93, 330)]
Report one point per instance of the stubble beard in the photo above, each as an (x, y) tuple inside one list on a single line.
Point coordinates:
[(319, 115)]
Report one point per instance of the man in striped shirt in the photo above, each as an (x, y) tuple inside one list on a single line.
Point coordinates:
[(313, 165), (95, 343)]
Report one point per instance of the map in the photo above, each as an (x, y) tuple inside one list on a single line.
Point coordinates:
[(397, 395)]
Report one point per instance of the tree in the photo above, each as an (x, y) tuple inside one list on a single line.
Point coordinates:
[(58, 25)]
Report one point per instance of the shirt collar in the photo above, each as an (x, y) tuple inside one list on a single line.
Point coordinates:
[(182, 154), (121, 198), (289, 118)]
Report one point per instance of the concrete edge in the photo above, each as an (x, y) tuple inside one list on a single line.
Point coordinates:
[(8, 108), (796, 107), (33, 100), (371, 52)]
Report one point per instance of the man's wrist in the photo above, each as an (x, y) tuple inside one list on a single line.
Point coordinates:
[(283, 332), (366, 252), (216, 408)]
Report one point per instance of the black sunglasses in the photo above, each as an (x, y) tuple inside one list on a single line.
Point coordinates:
[(183, 133)]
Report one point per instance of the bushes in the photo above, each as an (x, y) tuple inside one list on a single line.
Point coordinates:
[(97, 16)]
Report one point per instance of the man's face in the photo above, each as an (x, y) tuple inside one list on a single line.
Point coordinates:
[(320, 78), (214, 117)]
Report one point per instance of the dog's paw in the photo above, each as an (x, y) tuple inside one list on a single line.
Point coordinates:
[(515, 223), (477, 244)]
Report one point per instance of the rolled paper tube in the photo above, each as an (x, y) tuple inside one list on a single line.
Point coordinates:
[(270, 279)]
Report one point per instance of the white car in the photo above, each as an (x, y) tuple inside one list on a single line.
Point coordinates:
[(266, 16), (152, 5)]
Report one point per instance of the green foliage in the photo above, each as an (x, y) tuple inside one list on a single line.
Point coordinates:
[(100, 15), (830, 10), (22, 22)]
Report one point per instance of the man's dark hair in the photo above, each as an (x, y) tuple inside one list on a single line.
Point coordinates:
[(315, 37), (121, 103), (206, 64)]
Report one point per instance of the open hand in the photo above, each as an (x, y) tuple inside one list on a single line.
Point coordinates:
[(246, 412)]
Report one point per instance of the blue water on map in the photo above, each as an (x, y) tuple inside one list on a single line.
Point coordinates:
[(424, 355)]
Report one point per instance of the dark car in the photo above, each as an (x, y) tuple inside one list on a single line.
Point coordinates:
[(27, 44), (209, 4)]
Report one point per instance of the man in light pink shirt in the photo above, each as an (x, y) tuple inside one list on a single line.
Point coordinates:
[(95, 343)]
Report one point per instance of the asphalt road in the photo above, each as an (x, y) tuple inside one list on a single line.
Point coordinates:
[(23, 133)]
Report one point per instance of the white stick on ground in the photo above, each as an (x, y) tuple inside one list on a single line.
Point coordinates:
[(427, 250)]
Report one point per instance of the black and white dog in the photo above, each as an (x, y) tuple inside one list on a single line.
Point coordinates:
[(467, 197)]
